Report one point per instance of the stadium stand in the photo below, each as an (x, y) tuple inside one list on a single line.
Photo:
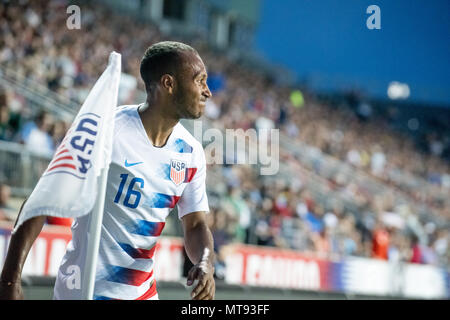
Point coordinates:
[(389, 197)]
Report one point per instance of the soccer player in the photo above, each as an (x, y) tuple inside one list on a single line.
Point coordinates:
[(156, 165)]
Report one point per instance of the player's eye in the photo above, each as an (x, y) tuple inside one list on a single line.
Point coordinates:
[(201, 79)]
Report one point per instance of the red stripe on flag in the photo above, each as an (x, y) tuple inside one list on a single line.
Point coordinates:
[(62, 158), (62, 165), (62, 151)]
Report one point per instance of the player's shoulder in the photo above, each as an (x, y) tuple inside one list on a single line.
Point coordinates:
[(126, 110), (125, 113)]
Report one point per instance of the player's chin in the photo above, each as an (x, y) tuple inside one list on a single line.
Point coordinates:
[(197, 113)]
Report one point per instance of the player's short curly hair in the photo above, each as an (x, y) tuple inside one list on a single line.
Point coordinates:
[(162, 58)]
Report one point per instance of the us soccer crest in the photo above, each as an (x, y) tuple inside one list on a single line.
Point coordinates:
[(177, 171)]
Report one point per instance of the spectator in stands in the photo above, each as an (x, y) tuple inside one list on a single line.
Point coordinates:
[(394, 250), (417, 252), (58, 132), (222, 237), (6, 131), (219, 229), (7, 213), (36, 134), (322, 243), (238, 208), (378, 161), (429, 256), (314, 218), (348, 236), (276, 231), (263, 231), (282, 203), (441, 245), (380, 241)]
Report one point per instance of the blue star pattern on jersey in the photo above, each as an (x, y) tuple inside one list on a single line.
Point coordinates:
[(145, 228), (181, 146)]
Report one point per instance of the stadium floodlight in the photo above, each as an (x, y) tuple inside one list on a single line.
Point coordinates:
[(397, 90)]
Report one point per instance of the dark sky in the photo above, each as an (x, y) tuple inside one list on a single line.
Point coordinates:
[(327, 43)]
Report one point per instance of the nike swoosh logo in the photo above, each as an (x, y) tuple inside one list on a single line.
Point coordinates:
[(131, 164)]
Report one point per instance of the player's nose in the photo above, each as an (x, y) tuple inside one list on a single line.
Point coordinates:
[(207, 93)]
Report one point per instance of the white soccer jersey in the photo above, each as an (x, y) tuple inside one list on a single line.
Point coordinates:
[(144, 184)]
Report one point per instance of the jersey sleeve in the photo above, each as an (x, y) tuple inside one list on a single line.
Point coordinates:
[(194, 197)]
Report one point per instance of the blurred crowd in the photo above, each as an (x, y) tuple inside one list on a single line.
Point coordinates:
[(245, 207), (286, 215)]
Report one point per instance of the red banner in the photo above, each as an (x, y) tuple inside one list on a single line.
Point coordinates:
[(45, 254), (267, 267)]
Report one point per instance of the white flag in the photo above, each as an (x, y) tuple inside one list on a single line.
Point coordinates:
[(69, 186)]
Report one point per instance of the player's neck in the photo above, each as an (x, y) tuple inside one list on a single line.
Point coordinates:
[(157, 124)]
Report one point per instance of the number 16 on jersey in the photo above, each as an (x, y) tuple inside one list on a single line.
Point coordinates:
[(130, 191)]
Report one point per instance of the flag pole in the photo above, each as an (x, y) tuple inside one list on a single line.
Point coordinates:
[(96, 216), (93, 238)]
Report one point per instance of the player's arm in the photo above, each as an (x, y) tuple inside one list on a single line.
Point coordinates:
[(199, 248), (19, 246)]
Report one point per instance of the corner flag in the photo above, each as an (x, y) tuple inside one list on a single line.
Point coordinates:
[(69, 186), (74, 183)]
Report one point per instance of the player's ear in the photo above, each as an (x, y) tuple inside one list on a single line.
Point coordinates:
[(168, 83)]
